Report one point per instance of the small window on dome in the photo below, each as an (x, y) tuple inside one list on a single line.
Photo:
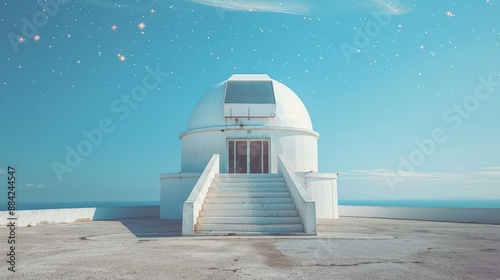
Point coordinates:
[(249, 92), (244, 98)]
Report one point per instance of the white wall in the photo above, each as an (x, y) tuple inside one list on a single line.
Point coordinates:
[(299, 147), (462, 215), (175, 189), (70, 215), (322, 188)]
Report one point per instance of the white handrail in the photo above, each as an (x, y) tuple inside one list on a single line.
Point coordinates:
[(305, 205), (192, 206)]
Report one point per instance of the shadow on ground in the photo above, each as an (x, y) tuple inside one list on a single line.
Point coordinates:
[(148, 227)]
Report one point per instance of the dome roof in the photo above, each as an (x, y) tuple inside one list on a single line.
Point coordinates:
[(290, 111)]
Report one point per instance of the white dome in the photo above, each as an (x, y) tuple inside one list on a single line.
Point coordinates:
[(290, 111)]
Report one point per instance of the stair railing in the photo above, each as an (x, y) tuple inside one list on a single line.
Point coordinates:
[(192, 206), (305, 205)]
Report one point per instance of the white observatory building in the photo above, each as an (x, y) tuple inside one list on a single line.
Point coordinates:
[(249, 164)]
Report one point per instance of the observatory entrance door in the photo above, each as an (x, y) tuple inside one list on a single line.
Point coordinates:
[(248, 156)]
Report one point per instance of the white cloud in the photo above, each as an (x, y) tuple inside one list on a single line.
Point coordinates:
[(491, 168), (394, 7), (382, 7), (271, 6), (108, 4), (35, 186), (487, 175)]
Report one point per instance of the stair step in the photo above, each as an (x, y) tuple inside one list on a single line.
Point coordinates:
[(248, 194), (249, 220), (248, 213), (251, 176), (249, 179), (249, 200), (245, 189), (249, 184), (270, 229), (248, 206)]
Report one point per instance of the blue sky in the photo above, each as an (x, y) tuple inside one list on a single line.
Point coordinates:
[(376, 76)]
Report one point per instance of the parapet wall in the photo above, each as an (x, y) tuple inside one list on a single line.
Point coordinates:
[(459, 215), (70, 215)]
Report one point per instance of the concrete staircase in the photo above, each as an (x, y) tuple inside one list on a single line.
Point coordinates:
[(248, 204)]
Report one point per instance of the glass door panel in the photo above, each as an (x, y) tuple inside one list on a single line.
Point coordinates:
[(241, 156), (230, 159), (255, 156), (248, 156), (265, 156)]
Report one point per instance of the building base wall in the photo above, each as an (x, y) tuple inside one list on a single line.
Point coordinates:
[(175, 189), (322, 187), (298, 147)]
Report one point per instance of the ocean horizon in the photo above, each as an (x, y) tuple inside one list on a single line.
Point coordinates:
[(80, 204), (423, 203)]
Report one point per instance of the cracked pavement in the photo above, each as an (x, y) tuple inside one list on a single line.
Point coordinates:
[(348, 248)]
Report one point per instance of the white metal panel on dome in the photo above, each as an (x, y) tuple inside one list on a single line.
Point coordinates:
[(249, 77)]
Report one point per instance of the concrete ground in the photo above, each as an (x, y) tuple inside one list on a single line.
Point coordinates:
[(348, 248)]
